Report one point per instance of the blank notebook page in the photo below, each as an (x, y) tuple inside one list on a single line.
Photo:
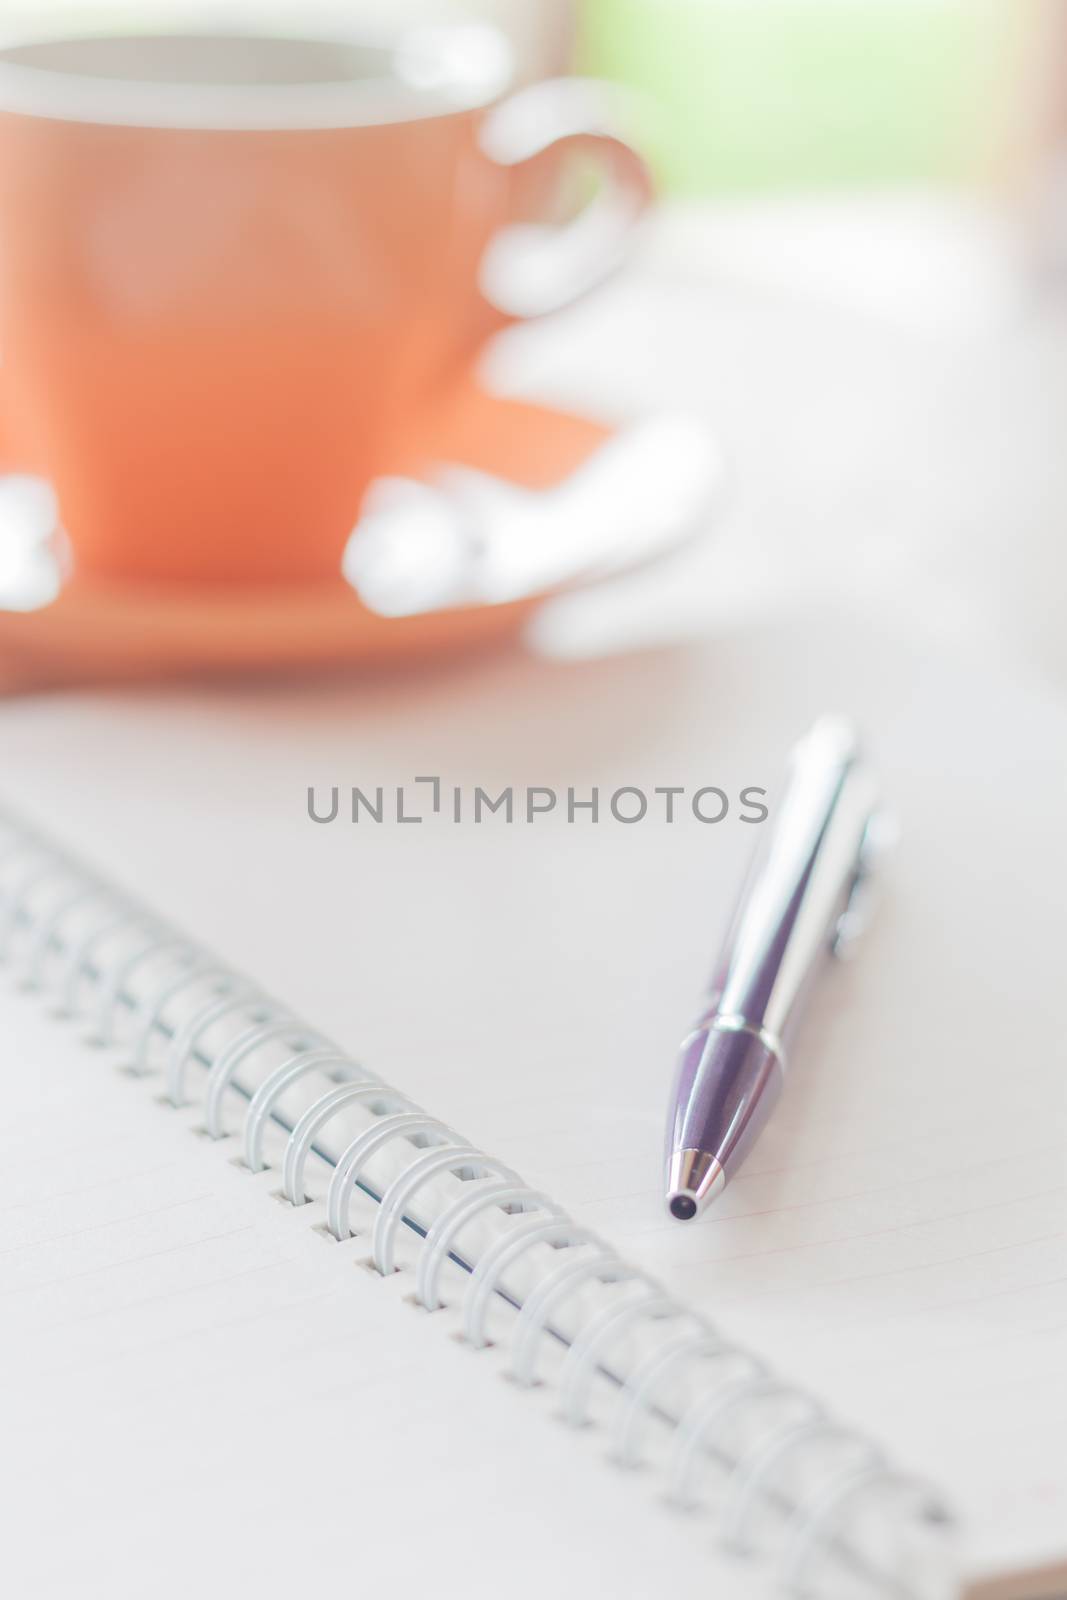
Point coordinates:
[(896, 1242), (203, 1396)]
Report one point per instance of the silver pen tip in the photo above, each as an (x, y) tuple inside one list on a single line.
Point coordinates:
[(693, 1179)]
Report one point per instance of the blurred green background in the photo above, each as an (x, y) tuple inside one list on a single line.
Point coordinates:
[(761, 94)]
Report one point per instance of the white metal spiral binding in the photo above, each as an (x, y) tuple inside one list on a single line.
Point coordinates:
[(159, 941), (559, 1231), (508, 1191), (80, 954), (812, 1518), (227, 1062), (613, 1324), (315, 1119), (261, 1107), (49, 927), (748, 1477), (201, 968), (591, 1346), (402, 1191), (240, 1000), (539, 1305), (16, 901), (640, 1388), (702, 1417), (346, 1174)]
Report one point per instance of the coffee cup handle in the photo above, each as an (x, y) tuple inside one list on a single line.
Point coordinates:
[(530, 269)]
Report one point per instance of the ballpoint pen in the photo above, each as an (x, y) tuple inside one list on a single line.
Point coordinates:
[(800, 903)]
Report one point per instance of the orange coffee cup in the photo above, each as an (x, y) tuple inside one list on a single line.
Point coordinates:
[(234, 269)]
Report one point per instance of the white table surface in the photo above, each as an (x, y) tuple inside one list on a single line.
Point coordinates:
[(892, 394)]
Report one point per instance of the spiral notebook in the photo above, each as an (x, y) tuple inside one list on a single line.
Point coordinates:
[(274, 1328)]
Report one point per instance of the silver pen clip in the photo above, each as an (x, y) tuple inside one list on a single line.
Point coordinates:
[(880, 838)]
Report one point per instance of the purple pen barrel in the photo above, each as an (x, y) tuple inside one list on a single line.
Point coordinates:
[(729, 1079)]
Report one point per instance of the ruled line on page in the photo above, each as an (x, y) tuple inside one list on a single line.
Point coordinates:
[(109, 1222), (88, 1188), (167, 1294), (887, 1229), (127, 1261), (749, 1294)]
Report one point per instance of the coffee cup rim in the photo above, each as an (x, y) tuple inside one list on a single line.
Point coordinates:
[(476, 64)]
